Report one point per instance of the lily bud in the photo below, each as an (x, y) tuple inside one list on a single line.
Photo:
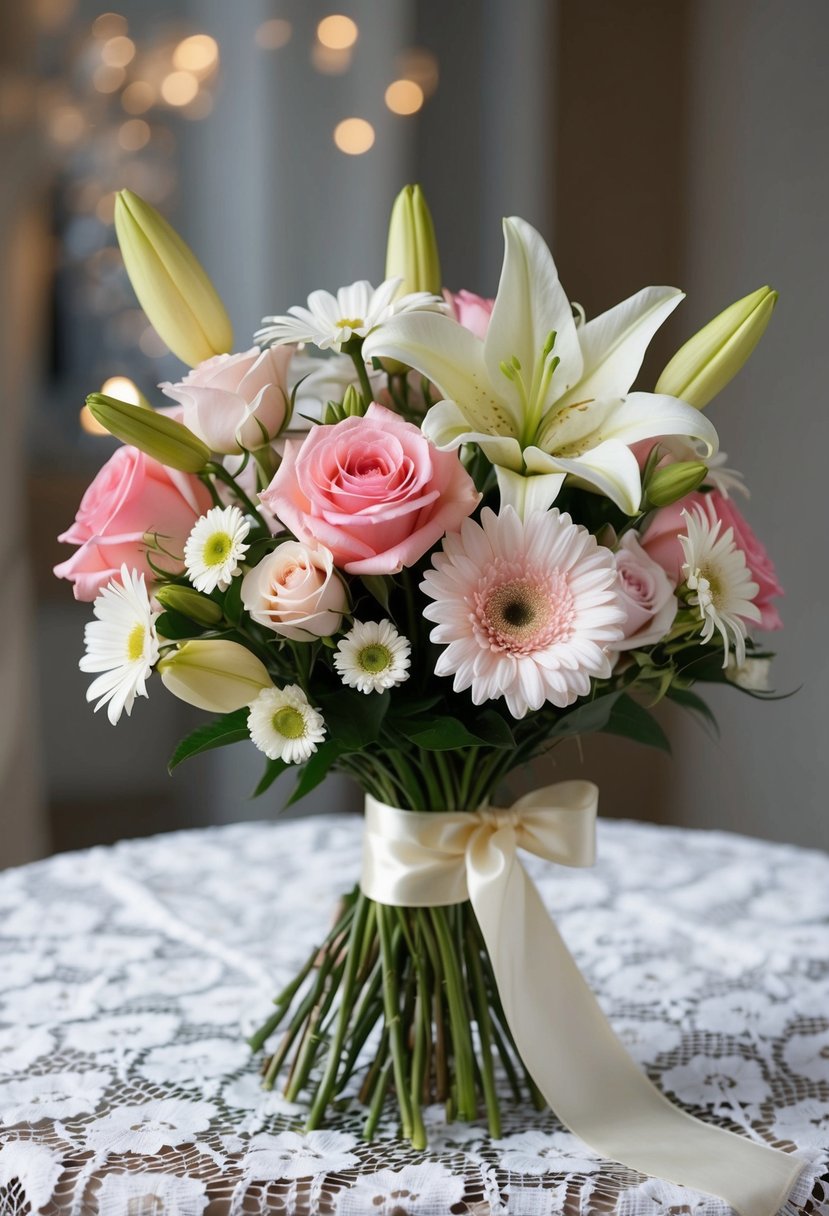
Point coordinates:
[(412, 250), (190, 603), (705, 364), (214, 674), (674, 481), (166, 440), (180, 302)]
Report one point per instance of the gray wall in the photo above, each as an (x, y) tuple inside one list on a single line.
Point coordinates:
[(757, 212)]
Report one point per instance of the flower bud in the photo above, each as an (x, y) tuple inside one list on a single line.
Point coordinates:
[(166, 440), (705, 364), (412, 250), (214, 674), (172, 287), (190, 603), (674, 481)]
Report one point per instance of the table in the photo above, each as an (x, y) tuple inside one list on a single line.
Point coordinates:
[(128, 976)]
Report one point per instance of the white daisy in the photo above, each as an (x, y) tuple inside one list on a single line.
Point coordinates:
[(715, 571), (284, 726), (215, 548), (373, 656), (527, 609), (122, 643), (329, 321)]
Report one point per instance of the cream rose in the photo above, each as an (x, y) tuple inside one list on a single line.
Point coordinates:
[(645, 593), (296, 592)]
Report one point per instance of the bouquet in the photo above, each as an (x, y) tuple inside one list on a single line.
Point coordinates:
[(421, 537)]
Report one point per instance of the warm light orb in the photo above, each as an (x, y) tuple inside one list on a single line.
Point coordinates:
[(90, 424), (337, 32), (134, 134), (273, 34), (179, 88), (404, 97), (109, 25), (118, 52), (66, 124), (138, 97), (105, 208), (198, 53), (122, 388), (328, 62), (107, 79), (354, 136)]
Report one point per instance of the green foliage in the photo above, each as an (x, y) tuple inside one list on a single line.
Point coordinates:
[(176, 627), (230, 728)]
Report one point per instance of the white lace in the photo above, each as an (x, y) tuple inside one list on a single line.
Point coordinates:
[(129, 977)]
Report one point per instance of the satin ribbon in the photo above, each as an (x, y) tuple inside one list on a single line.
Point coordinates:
[(423, 859)]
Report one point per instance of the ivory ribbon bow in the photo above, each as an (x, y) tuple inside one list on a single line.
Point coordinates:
[(428, 859)]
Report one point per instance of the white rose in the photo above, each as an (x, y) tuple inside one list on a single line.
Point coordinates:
[(645, 593), (296, 592)]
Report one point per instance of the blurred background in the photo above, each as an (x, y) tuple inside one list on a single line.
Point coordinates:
[(651, 142)]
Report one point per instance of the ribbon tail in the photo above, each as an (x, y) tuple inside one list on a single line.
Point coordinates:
[(586, 1075)]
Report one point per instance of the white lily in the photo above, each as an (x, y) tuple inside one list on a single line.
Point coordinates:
[(543, 399)]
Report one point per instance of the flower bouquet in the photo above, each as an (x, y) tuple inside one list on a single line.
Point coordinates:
[(419, 538)]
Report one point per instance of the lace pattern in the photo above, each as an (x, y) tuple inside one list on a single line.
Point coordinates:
[(129, 976)]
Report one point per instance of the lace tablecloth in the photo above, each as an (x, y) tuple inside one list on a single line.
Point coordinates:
[(129, 974)]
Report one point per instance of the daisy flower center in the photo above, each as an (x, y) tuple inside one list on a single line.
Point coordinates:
[(289, 722), (350, 323), (217, 548), (135, 643), (520, 615), (375, 658)]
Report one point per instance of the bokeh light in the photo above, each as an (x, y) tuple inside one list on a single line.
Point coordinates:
[(122, 388), (134, 134), (151, 345), (138, 97), (404, 97), (108, 79), (105, 208), (328, 62), (118, 52), (337, 32), (109, 25), (419, 65), (179, 88), (354, 136), (66, 124), (199, 54), (273, 34)]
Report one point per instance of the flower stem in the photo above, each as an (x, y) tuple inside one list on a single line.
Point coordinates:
[(391, 1005)]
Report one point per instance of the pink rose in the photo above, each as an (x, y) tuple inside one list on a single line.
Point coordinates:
[(661, 542), (645, 593), (373, 490), (296, 592), (235, 402), (470, 311), (130, 496)]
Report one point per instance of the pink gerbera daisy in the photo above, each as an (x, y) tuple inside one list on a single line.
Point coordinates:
[(525, 608)]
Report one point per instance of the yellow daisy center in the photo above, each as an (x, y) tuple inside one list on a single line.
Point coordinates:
[(289, 722), (374, 658), (217, 548), (135, 643), (350, 323)]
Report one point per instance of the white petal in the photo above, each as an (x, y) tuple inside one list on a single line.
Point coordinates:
[(528, 493), (530, 303), (613, 345), (610, 468)]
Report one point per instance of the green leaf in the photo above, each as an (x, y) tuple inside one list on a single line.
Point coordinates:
[(230, 728), (379, 587), (403, 709), (316, 770), (175, 626), (233, 602), (632, 721), (588, 718), (274, 769), (442, 733), (353, 719)]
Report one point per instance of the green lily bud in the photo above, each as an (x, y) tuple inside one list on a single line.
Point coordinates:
[(412, 250), (190, 603), (705, 364), (214, 674), (166, 440), (674, 481), (351, 406), (172, 287)]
